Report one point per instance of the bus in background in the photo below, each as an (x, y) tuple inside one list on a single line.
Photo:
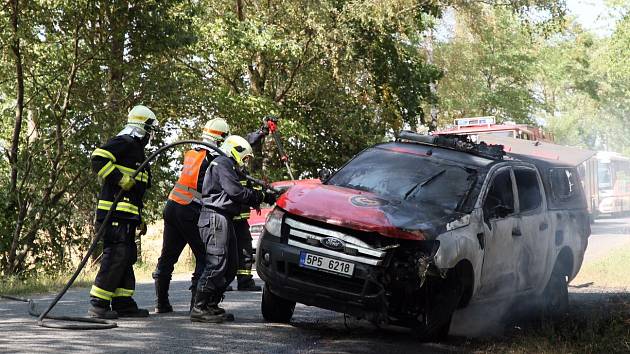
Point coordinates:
[(613, 174), (487, 125)]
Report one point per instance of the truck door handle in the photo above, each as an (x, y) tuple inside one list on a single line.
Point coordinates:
[(543, 226), (516, 232)]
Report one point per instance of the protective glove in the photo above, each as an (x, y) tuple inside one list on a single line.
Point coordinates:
[(269, 197), (126, 182), (142, 229)]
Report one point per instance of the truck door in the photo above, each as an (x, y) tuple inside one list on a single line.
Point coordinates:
[(498, 273), (532, 231)]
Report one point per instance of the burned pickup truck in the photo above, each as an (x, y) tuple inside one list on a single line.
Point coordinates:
[(408, 231)]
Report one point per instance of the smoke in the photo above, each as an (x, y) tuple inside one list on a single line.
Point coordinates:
[(493, 318)]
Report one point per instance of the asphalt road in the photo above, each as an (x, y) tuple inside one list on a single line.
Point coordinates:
[(312, 330), (607, 233)]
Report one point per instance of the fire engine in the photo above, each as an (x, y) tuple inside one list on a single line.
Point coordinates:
[(487, 125)]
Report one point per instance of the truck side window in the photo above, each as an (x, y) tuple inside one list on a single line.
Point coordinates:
[(499, 201), (564, 183), (528, 189)]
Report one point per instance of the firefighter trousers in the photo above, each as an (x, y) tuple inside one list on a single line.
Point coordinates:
[(180, 229), (244, 274), (115, 280), (217, 235)]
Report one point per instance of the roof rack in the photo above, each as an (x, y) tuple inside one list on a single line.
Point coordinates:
[(454, 142)]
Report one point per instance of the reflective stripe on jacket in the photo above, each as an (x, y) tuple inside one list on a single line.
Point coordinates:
[(119, 156)]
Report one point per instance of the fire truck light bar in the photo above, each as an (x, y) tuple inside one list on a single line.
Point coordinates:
[(468, 122)]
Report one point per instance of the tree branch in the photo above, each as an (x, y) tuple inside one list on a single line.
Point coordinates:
[(294, 72)]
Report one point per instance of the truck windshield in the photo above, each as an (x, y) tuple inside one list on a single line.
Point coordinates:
[(406, 177)]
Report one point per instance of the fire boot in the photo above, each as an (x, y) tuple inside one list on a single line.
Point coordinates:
[(162, 305), (193, 293), (100, 309), (127, 307), (247, 283), (227, 317), (205, 308)]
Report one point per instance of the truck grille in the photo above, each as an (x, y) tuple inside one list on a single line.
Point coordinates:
[(308, 236), (330, 281)]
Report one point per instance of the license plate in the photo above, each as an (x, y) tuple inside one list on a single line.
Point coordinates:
[(326, 264)]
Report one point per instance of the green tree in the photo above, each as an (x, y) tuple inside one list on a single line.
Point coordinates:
[(489, 67), (339, 73), (70, 71)]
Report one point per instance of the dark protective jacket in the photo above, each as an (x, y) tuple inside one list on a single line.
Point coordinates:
[(222, 190), (255, 138), (245, 209), (120, 155)]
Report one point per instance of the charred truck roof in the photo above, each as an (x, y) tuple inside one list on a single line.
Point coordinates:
[(407, 189)]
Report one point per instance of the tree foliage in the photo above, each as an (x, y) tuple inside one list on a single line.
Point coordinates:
[(490, 65), (340, 74)]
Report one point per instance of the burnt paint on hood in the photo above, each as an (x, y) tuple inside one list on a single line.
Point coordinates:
[(366, 211)]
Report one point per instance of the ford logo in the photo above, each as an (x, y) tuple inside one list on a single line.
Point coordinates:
[(332, 243)]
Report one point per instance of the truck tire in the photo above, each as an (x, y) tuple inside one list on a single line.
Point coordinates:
[(556, 295), (436, 323), (275, 308), (435, 333)]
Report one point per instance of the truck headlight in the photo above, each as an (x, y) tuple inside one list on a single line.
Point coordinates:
[(273, 225)]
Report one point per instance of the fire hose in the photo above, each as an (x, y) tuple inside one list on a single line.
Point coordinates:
[(95, 323)]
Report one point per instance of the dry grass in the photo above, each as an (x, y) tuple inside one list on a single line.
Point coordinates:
[(45, 283), (151, 247), (588, 328), (610, 271)]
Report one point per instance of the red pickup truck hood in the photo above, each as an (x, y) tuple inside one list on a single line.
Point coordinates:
[(358, 210)]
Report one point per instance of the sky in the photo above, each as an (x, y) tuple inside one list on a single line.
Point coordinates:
[(592, 14)]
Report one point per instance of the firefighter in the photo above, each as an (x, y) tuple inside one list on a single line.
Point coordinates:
[(182, 213), (244, 276), (223, 197), (114, 163)]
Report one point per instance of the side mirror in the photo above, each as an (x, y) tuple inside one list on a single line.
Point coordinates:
[(324, 174)]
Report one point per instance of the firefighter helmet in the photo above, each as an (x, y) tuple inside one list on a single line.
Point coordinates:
[(142, 117), (215, 130), (238, 148)]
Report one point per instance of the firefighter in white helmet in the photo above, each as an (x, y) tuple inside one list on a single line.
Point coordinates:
[(223, 196), (182, 212), (114, 163)]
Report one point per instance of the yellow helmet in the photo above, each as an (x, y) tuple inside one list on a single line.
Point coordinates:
[(215, 130), (238, 148), (142, 117)]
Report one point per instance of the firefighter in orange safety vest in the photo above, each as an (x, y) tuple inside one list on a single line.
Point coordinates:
[(182, 209)]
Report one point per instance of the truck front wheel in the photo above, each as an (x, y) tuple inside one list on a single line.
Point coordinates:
[(556, 295), (275, 308)]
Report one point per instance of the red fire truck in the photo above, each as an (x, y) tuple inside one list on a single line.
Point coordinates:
[(487, 125)]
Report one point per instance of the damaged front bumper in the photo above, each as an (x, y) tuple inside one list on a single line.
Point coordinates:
[(362, 295), (391, 290)]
